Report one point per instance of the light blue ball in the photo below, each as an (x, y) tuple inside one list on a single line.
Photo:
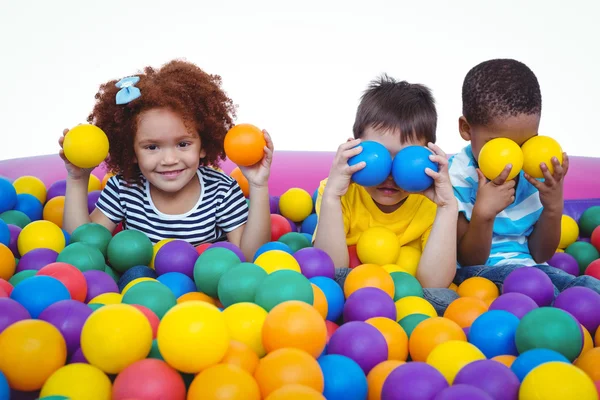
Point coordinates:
[(38, 292), (178, 283), (379, 164), (334, 295), (344, 378), (8, 195), (408, 169), (530, 359)]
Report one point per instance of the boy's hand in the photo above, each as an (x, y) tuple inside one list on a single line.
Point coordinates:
[(441, 192), (258, 174), (551, 190), (341, 173), (494, 196), (74, 172)]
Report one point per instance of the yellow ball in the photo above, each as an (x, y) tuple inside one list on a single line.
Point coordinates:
[(107, 298), (537, 150), (78, 381), (156, 248), (94, 183), (276, 260), (31, 185), (193, 336), (393, 268), (408, 259), (496, 154), (135, 282), (245, 322), (296, 204), (115, 336), (378, 245), (569, 232), (86, 146), (41, 234), (557, 381), (413, 305), (30, 351), (451, 356)]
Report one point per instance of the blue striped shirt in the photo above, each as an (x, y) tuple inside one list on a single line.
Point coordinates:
[(221, 208), (513, 225)]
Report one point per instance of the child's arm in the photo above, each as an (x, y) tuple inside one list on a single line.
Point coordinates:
[(331, 235), (545, 237)]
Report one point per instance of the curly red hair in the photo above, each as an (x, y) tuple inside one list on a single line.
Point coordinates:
[(179, 86)]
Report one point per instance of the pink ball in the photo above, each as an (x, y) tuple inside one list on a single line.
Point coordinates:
[(149, 379)]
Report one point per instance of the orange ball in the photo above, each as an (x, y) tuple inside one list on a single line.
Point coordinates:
[(590, 363), (242, 355), (465, 310), (588, 343), (8, 264), (368, 275), (107, 176), (394, 335), (191, 296), (241, 180), (295, 324), (287, 366), (295, 392), (506, 359), (377, 377), (597, 338), (54, 210), (320, 301), (478, 287), (223, 382), (244, 144), (431, 333), (453, 287)]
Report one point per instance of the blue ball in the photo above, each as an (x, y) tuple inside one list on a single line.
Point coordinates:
[(493, 332), (314, 198), (37, 292), (272, 246), (309, 225), (179, 283), (30, 206), (334, 295), (344, 378), (4, 389), (308, 237), (67, 237), (4, 233), (408, 169), (8, 195), (139, 271), (379, 164), (530, 359)]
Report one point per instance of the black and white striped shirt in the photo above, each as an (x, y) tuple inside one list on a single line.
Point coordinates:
[(221, 208)]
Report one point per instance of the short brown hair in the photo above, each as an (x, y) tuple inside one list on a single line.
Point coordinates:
[(179, 86), (389, 104)]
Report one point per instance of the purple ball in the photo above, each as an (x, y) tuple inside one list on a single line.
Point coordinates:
[(92, 200), (531, 282), (78, 357), (360, 342), (565, 262), (274, 204), (36, 259), (293, 225), (494, 378), (176, 256), (515, 303), (229, 246), (369, 302), (99, 282), (14, 231), (583, 303), (11, 312), (315, 262), (58, 188), (413, 381), (68, 316), (462, 392)]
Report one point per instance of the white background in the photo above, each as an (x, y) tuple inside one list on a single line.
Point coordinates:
[(294, 68)]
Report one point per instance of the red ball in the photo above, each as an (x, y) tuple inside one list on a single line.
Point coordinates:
[(4, 284), (201, 247), (595, 238), (331, 328), (279, 226), (118, 228), (594, 269), (354, 261), (70, 276), (151, 316), (3, 293), (149, 379)]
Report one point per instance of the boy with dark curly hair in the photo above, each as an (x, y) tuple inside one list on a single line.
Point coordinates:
[(166, 129)]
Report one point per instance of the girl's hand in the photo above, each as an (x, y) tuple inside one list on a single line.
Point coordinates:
[(258, 174)]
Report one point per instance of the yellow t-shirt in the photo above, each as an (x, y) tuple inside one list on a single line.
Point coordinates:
[(411, 222)]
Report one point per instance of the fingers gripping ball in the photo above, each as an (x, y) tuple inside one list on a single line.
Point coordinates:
[(378, 245), (378, 164), (496, 154), (244, 144), (537, 150), (85, 146), (295, 204), (408, 168)]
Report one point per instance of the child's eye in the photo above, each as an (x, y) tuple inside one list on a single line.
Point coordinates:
[(183, 144), (151, 147)]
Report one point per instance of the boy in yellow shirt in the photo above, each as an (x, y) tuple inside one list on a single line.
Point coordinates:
[(396, 115)]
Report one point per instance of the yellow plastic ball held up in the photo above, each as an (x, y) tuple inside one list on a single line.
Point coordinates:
[(496, 154), (86, 146)]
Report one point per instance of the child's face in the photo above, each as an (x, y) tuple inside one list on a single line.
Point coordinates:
[(167, 153), (519, 129), (388, 195)]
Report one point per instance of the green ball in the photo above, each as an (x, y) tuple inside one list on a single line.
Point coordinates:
[(21, 276), (15, 217), (295, 241), (129, 248), (154, 352), (283, 285), (239, 283), (210, 267), (54, 397), (82, 256), (584, 253), (410, 322), (406, 285), (95, 306), (112, 273), (153, 295), (588, 221), (549, 328), (94, 235)]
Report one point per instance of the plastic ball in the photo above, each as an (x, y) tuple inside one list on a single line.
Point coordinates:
[(11, 312), (85, 146), (295, 392), (569, 232), (83, 257), (4, 389), (530, 359), (31, 351), (68, 316), (408, 259), (241, 355), (54, 210), (157, 246), (295, 204), (99, 282), (129, 248), (31, 185), (377, 377), (239, 283), (244, 144), (7, 262), (276, 245), (30, 206), (451, 356), (496, 154), (409, 323), (38, 292), (408, 168), (21, 276), (319, 301), (41, 234), (592, 270), (413, 305), (478, 287), (279, 226), (107, 298), (594, 238), (135, 275), (394, 335), (565, 262), (515, 303), (414, 381), (583, 303), (369, 302), (360, 342), (333, 294), (494, 333), (224, 381), (149, 379), (282, 286), (94, 235), (368, 275), (531, 282), (245, 323), (295, 241), (405, 285), (152, 294), (465, 310), (13, 237), (78, 381), (277, 260), (585, 253), (196, 296), (58, 188), (309, 224), (537, 150), (315, 262), (8, 195), (241, 180), (378, 162), (176, 256), (378, 245), (70, 276), (178, 283), (210, 267), (557, 380), (14, 217), (344, 379), (494, 378), (430, 333)]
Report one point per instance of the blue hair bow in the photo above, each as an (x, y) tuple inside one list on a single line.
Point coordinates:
[(128, 91)]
